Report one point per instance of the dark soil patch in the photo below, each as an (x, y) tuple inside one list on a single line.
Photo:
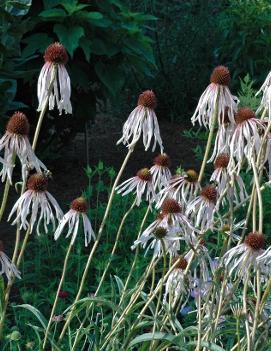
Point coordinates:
[(68, 171)]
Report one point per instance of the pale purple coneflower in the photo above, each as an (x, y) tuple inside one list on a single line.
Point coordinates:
[(140, 184), (55, 57), (177, 283), (169, 236), (215, 99), (72, 219), (223, 136), (265, 89), (36, 205), (171, 210), (202, 263), (160, 171), (242, 258), (180, 187), (246, 138), (203, 208), (236, 191), (7, 267), (233, 229), (142, 120), (15, 142)]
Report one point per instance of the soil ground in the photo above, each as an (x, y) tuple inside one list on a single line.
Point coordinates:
[(68, 171)]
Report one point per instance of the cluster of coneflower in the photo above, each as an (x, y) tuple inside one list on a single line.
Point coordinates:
[(189, 212)]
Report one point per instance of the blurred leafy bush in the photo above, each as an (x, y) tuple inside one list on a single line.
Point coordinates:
[(246, 45), (106, 43), (12, 28), (186, 36)]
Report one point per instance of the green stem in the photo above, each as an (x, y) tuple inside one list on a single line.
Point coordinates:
[(115, 246), (246, 313), (7, 294), (199, 324), (153, 343), (209, 141), (44, 108), (6, 190), (64, 270), (259, 194), (85, 273)]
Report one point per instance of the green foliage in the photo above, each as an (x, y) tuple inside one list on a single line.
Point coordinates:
[(35, 293), (246, 45), (247, 93), (106, 42), (12, 27), (185, 37)]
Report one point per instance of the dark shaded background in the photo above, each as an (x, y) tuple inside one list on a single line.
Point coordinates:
[(117, 49)]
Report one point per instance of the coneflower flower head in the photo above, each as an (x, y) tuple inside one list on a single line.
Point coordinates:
[(171, 211), (246, 139), (36, 205), (180, 187), (176, 283), (18, 124), (7, 267), (77, 211), (142, 121), (140, 184), (158, 238), (15, 142), (221, 76), (221, 176), (55, 56), (203, 207), (265, 89), (244, 257), (209, 192), (217, 94)]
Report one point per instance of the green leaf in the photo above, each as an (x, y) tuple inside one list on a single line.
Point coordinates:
[(53, 13), (85, 44), (91, 15), (111, 76), (69, 37), (209, 345), (36, 313), (36, 43), (152, 336), (72, 6)]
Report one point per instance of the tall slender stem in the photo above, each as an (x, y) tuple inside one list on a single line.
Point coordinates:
[(199, 324), (259, 194), (209, 141), (85, 273), (6, 190), (64, 270), (115, 246), (153, 344), (246, 311), (18, 232), (44, 108), (257, 307)]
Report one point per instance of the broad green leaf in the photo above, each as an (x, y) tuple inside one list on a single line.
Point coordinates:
[(72, 6), (85, 44), (210, 346), (152, 336), (94, 15), (53, 13), (69, 37), (35, 312), (111, 76), (36, 43)]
